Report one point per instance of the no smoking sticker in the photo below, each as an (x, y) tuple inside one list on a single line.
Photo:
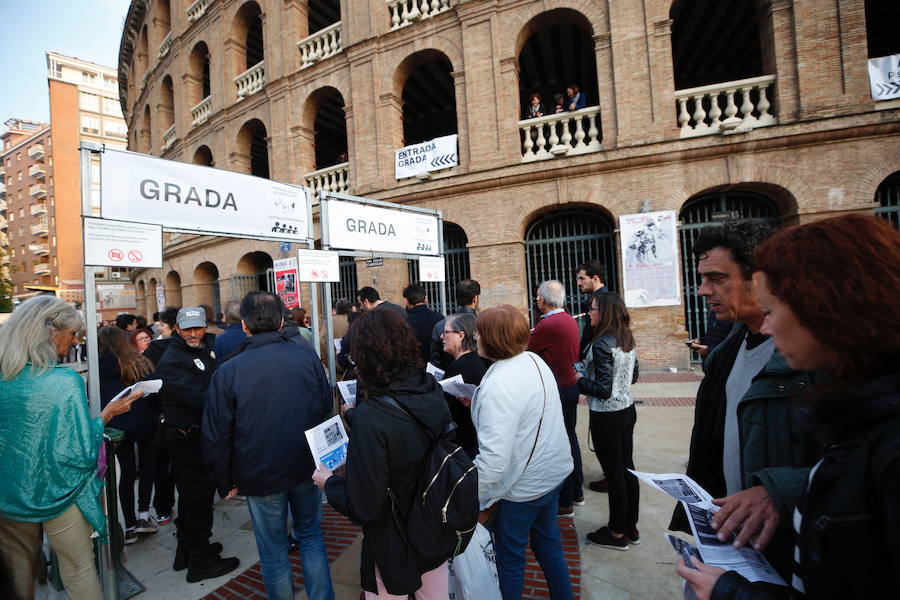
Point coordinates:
[(115, 254)]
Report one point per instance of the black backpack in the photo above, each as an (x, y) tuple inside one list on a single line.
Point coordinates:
[(444, 513)]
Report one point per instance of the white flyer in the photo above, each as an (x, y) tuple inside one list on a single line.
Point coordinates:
[(455, 386), (328, 443), (348, 391), (435, 372), (337, 344), (680, 487), (151, 386)]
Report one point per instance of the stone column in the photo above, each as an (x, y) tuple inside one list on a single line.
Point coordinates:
[(779, 57)]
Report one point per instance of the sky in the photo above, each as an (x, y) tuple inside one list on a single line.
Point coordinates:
[(87, 29)]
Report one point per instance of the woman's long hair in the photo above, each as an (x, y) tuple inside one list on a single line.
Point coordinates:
[(383, 347), (27, 337), (132, 365), (614, 319)]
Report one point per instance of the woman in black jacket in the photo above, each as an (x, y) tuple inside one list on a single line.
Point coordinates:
[(120, 366), (848, 520), (386, 450), (458, 339)]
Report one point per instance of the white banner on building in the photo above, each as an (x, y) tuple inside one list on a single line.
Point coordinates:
[(431, 268), (884, 77), (122, 244), (360, 227), (161, 297), (144, 189), (433, 155), (318, 265), (650, 258)]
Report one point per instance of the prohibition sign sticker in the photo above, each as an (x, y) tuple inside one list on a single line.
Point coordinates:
[(115, 254), (135, 255)]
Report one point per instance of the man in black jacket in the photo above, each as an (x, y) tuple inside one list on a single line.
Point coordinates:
[(186, 368), (253, 424), (421, 318)]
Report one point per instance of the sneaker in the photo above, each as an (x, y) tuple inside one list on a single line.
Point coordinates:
[(131, 535), (579, 501), (604, 538), (566, 511), (599, 486), (147, 525), (633, 537), (163, 519)]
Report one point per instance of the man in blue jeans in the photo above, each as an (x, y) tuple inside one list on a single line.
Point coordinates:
[(258, 405)]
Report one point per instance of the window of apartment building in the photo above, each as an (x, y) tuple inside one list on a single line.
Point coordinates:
[(111, 106), (19, 175), (12, 251), (88, 77), (89, 102), (21, 212), (110, 83), (18, 156), (21, 231), (12, 217), (115, 128), (54, 241), (90, 124)]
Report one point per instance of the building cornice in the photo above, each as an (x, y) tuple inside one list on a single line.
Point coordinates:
[(133, 19)]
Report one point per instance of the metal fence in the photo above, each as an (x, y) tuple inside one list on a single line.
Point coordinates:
[(888, 198), (347, 287)]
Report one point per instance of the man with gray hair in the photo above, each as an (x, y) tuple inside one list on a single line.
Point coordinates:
[(229, 341), (555, 338)]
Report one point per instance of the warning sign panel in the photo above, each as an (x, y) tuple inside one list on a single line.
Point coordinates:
[(122, 244)]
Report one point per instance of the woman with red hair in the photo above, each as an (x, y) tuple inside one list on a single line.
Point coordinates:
[(829, 290)]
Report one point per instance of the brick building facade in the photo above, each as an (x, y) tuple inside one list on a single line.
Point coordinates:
[(761, 109)]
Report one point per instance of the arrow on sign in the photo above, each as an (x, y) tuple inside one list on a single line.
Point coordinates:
[(444, 160), (888, 89)]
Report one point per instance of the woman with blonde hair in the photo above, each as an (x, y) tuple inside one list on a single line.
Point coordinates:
[(50, 448)]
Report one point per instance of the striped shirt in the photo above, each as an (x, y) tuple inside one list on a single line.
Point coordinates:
[(796, 581)]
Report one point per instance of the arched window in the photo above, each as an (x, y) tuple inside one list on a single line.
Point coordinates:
[(705, 210), (557, 242), (200, 87), (203, 156), (167, 112), (429, 98), (253, 147), (144, 141), (247, 49), (152, 299), (888, 198), (173, 289), (254, 272), (142, 54), (206, 286), (882, 17), (141, 298), (322, 14), (330, 128), (162, 21), (456, 268)]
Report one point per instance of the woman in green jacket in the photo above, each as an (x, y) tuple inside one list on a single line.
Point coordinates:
[(50, 446)]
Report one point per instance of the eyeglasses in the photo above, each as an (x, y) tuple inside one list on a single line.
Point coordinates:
[(593, 309), (445, 331)]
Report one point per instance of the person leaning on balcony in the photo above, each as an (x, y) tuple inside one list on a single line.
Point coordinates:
[(559, 103), (535, 108), (50, 449), (576, 98)]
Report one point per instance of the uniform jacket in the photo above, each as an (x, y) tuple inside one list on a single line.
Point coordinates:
[(185, 373), (386, 449), (256, 412)]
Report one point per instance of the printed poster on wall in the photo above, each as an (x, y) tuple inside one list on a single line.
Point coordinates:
[(650, 259), (145, 189), (286, 281), (360, 227), (161, 297), (433, 155), (884, 77)]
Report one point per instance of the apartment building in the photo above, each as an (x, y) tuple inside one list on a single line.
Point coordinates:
[(756, 108)]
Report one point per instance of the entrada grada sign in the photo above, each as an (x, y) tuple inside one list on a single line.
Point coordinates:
[(144, 189)]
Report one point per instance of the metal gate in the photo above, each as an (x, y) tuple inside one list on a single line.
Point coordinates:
[(704, 211), (888, 198), (456, 268), (558, 242), (346, 288)]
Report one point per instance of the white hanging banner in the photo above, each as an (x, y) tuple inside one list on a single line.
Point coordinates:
[(650, 258), (884, 77), (122, 244), (161, 296), (145, 189), (318, 265), (359, 227), (433, 155), (431, 268)]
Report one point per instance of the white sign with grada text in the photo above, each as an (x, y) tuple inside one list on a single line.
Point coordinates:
[(360, 227)]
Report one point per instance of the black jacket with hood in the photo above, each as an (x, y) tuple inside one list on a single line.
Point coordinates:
[(386, 450), (185, 373)]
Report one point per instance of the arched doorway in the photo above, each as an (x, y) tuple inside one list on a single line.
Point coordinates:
[(330, 128), (254, 272), (203, 156), (141, 298), (557, 242), (152, 298), (173, 289), (206, 286), (710, 209), (888, 198), (456, 268), (253, 146), (429, 97)]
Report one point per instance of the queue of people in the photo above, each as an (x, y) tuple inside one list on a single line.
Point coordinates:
[(795, 432)]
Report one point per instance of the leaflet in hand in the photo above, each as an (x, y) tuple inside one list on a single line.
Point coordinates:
[(455, 386), (348, 391), (151, 386), (337, 344), (698, 505), (328, 443), (435, 372)]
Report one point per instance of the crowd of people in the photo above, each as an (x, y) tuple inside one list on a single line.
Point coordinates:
[(796, 432)]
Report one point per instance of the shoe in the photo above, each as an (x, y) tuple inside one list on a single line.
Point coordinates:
[(210, 566), (633, 537), (181, 555), (147, 525), (566, 511), (579, 501), (131, 535), (604, 538), (163, 519), (599, 486)]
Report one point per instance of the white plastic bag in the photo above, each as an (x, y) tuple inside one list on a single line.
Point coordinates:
[(473, 574)]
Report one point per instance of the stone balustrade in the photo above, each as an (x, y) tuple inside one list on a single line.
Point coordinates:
[(251, 81), (562, 134), (168, 138), (201, 112), (329, 179), (323, 44), (165, 46), (407, 12), (197, 10), (713, 109)]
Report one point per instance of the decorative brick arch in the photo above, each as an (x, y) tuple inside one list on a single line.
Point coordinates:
[(311, 103), (520, 22), (878, 171), (422, 51)]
